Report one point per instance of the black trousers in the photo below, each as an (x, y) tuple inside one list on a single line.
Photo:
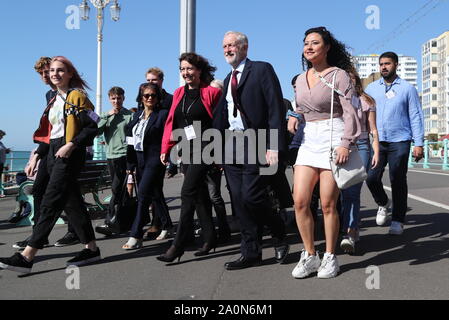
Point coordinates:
[(195, 196), (117, 170), (213, 180), (39, 187), (395, 154), (279, 183), (63, 193), (156, 212), (249, 196), (150, 174)]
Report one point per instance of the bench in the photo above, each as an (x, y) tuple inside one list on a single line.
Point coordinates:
[(93, 178)]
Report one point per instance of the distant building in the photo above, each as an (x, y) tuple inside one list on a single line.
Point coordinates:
[(371, 78), (366, 64), (435, 84)]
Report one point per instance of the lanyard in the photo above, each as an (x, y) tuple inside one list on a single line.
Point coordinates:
[(186, 112), (388, 88)]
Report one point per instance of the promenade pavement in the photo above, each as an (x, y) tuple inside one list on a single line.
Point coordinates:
[(411, 266)]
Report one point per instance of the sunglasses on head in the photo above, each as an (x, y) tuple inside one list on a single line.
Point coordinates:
[(148, 95)]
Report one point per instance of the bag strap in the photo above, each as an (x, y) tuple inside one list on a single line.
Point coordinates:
[(332, 86), (332, 108)]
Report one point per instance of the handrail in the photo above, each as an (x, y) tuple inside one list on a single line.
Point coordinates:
[(444, 145)]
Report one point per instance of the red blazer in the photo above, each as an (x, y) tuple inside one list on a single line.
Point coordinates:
[(209, 98)]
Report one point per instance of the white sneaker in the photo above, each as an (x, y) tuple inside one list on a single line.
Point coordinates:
[(329, 266), (306, 265), (382, 214), (396, 228), (348, 244)]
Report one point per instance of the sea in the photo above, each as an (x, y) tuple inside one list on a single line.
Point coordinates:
[(17, 160)]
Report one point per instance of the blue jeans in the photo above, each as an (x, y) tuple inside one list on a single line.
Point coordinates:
[(396, 155), (350, 197)]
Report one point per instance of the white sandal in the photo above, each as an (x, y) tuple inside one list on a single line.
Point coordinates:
[(163, 235), (132, 244)]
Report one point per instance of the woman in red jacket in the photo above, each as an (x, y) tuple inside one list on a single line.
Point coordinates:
[(192, 105)]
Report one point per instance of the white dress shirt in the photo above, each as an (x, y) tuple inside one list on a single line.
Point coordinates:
[(139, 132), (235, 123)]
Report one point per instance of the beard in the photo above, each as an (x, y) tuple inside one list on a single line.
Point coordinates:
[(389, 75), (234, 60)]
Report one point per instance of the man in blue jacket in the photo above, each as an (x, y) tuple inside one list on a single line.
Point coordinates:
[(399, 120)]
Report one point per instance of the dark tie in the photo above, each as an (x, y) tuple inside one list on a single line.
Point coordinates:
[(234, 84)]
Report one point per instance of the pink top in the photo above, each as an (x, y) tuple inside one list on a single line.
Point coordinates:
[(315, 102), (363, 113)]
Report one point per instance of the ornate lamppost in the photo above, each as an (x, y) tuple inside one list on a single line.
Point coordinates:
[(115, 15)]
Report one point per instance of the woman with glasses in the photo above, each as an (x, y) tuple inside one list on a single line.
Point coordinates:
[(193, 104), (146, 130)]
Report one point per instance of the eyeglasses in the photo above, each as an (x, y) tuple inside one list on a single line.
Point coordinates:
[(148, 95)]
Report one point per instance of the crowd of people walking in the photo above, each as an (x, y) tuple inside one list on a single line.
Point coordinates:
[(331, 108)]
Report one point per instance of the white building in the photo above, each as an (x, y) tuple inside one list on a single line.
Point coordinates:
[(367, 64), (435, 84)]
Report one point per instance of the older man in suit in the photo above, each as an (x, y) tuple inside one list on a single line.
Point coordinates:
[(251, 106)]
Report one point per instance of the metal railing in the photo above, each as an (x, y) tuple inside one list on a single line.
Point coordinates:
[(435, 157), (7, 178)]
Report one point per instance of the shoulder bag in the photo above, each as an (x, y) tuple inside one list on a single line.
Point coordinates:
[(353, 171)]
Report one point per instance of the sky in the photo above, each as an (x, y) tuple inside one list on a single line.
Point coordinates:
[(147, 35)]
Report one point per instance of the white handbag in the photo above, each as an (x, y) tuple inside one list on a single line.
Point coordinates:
[(353, 171)]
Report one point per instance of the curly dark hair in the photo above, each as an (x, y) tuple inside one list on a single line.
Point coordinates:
[(337, 56), (151, 86), (201, 63)]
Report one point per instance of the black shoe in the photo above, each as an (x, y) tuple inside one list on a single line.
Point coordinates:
[(21, 245), (171, 254), (242, 263), (105, 230), (68, 240), (84, 257), (205, 250), (22, 210), (16, 263), (281, 252)]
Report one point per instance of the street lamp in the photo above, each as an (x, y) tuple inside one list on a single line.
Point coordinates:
[(115, 15)]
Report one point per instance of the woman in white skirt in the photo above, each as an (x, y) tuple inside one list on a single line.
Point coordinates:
[(324, 56)]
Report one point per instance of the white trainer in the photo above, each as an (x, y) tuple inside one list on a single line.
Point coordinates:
[(329, 266), (382, 214), (396, 228), (307, 265), (348, 244)]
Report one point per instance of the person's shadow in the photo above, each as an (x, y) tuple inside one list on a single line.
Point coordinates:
[(408, 246)]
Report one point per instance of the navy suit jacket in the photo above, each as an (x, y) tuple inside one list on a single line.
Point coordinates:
[(152, 138), (260, 96)]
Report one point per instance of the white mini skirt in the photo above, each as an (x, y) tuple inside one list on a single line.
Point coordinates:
[(315, 145)]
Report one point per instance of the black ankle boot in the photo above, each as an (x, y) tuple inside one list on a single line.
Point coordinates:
[(205, 249), (171, 254)]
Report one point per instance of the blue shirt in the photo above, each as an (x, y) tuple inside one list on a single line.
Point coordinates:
[(399, 115)]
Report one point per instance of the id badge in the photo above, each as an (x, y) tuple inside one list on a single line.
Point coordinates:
[(390, 94), (190, 132)]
